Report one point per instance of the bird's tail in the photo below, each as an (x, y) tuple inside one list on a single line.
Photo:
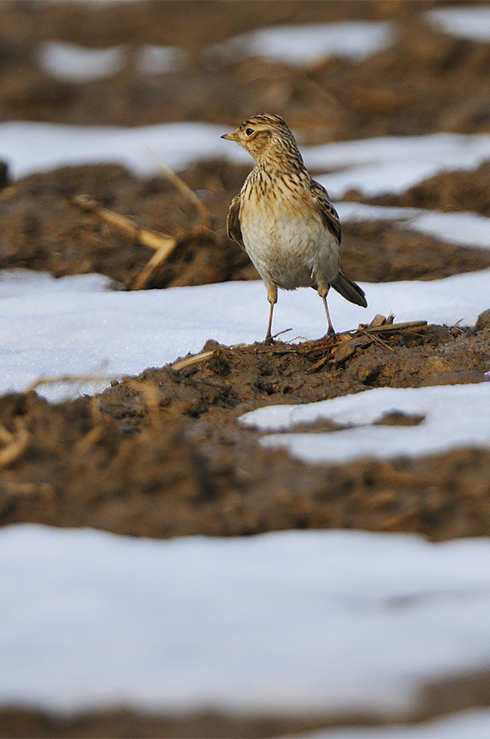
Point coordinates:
[(349, 289)]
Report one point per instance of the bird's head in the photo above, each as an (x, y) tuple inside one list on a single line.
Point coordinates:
[(265, 136)]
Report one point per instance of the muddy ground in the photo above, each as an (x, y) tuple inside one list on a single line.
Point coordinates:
[(40, 229), (163, 454)]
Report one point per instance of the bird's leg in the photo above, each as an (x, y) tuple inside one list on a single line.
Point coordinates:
[(268, 336), (272, 298), (331, 330)]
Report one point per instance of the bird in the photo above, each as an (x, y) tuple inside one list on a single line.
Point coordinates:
[(285, 220)]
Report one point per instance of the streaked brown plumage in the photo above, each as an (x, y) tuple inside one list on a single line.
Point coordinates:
[(284, 219)]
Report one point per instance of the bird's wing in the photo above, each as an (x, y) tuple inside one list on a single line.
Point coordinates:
[(330, 217), (233, 227)]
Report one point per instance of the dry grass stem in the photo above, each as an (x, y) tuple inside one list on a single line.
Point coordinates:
[(144, 236), (19, 441), (5, 436), (160, 256), (162, 244), (372, 336), (90, 439), (394, 327), (191, 360), (196, 358), (68, 378), (14, 489), (347, 342)]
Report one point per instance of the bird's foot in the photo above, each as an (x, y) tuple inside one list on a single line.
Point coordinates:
[(269, 339), (329, 338)]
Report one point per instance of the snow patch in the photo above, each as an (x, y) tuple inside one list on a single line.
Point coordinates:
[(304, 45), (454, 416), (73, 63), (470, 22), (283, 623)]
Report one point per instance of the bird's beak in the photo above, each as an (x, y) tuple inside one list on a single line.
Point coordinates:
[(229, 136)]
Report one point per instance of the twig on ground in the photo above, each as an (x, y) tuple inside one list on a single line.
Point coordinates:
[(394, 327), (376, 339)]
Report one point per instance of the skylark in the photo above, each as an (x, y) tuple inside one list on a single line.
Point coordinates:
[(284, 219)]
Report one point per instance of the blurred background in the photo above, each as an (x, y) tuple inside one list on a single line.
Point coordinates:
[(390, 66)]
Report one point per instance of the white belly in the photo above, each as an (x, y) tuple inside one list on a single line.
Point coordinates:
[(290, 246)]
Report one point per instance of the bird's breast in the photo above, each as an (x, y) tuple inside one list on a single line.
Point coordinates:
[(278, 221), (286, 239)]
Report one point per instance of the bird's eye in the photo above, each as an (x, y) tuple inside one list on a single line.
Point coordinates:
[(249, 131)]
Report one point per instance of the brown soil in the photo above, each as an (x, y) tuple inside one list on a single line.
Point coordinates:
[(163, 454)]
